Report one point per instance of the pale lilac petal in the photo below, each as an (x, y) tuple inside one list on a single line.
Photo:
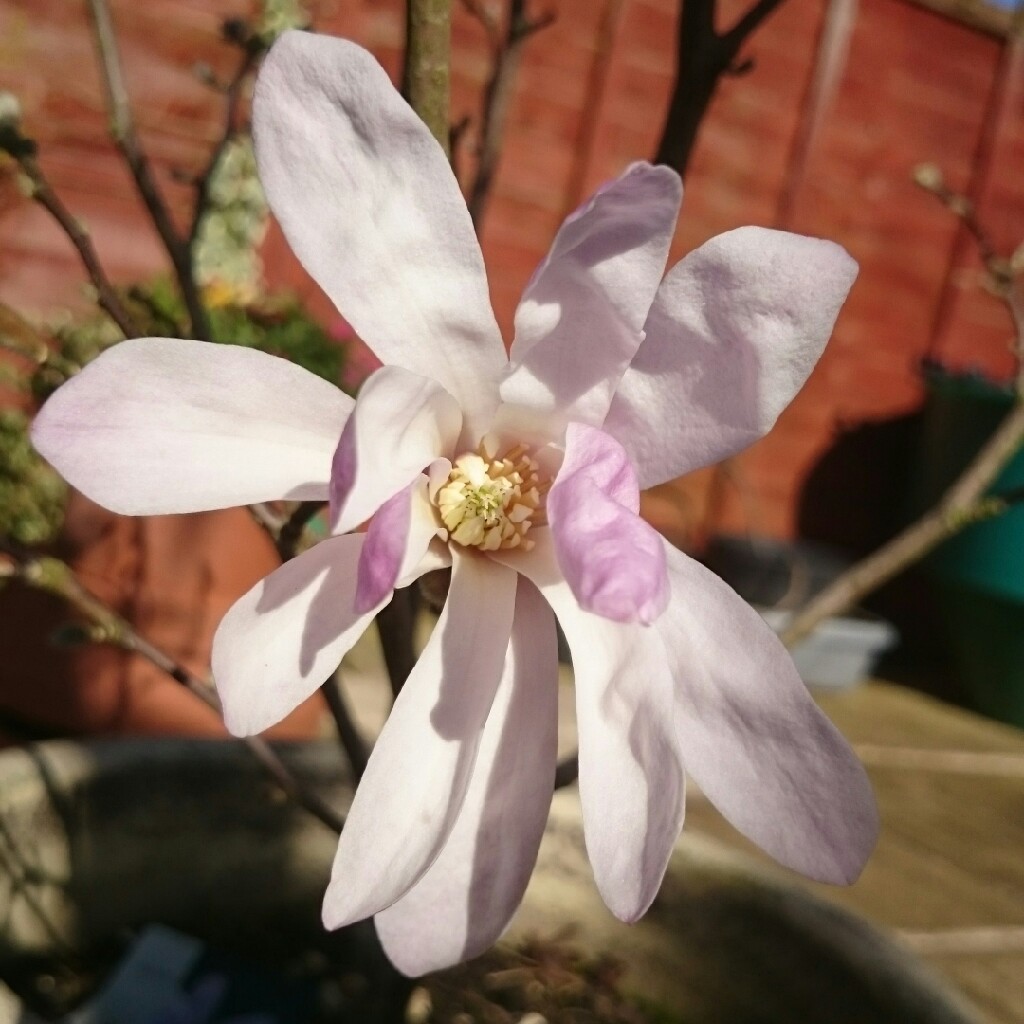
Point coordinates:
[(401, 423), (460, 907), (396, 542), (161, 425), (754, 740), (368, 202), (582, 315), (631, 777), (613, 561), (735, 330), (416, 779), (283, 638)]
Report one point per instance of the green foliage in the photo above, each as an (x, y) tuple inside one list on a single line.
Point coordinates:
[(279, 326), (282, 329), (32, 495)]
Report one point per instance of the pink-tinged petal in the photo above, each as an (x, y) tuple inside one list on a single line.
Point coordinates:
[(401, 423), (416, 779), (582, 315), (613, 561), (631, 777), (396, 542), (368, 202), (735, 330), (754, 740), (161, 425), (283, 638), (460, 907)]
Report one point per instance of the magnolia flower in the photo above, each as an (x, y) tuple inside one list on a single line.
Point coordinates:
[(521, 472)]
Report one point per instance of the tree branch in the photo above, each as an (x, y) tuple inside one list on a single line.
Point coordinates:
[(425, 77), (348, 733), (45, 196), (122, 129), (506, 54), (961, 505), (56, 577), (232, 102), (964, 501), (703, 57)]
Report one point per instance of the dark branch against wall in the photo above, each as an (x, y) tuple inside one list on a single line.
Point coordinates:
[(703, 57)]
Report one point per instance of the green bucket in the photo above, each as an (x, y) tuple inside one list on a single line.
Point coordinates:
[(980, 571), (960, 415)]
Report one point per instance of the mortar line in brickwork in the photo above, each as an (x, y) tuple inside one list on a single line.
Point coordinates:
[(831, 53), (593, 103), (998, 116)]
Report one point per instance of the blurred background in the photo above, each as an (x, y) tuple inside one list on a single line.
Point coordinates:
[(833, 116)]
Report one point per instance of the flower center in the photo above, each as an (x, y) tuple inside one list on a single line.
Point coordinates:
[(490, 501)]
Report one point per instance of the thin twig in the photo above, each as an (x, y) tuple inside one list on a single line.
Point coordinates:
[(395, 624), (348, 732), (426, 74), (961, 505), (232, 102), (56, 577), (506, 55), (964, 501), (124, 134), (44, 195)]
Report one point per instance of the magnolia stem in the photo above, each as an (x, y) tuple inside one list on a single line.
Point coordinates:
[(425, 79), (122, 129), (58, 578)]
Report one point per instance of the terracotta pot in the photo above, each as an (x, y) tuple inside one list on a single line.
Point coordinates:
[(173, 578)]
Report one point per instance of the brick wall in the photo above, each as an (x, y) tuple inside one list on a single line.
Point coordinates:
[(907, 86)]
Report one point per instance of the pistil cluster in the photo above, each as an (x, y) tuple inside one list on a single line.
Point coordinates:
[(490, 501)]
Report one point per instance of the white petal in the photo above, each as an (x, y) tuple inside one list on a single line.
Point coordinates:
[(368, 202), (417, 776), (582, 315), (735, 330), (631, 777), (283, 638), (401, 423), (161, 425), (754, 740), (460, 907)]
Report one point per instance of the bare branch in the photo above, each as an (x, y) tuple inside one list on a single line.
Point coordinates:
[(703, 57), (56, 577), (395, 624), (122, 127), (507, 53), (959, 507), (45, 196), (233, 93), (348, 733), (964, 501)]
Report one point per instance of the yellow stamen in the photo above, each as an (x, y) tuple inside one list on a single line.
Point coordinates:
[(491, 501)]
